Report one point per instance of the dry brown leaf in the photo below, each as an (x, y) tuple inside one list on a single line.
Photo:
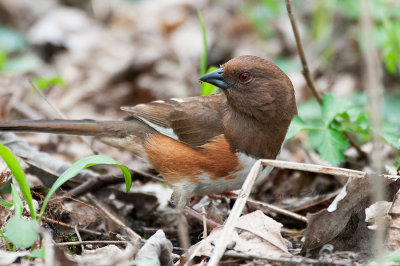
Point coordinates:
[(157, 251), (256, 234), (392, 241), (343, 223)]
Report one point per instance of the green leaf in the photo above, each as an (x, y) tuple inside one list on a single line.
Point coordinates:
[(309, 110), (331, 107), (315, 137), (391, 135), (19, 176), (17, 202), (11, 40), (21, 232), (204, 56), (6, 204), (21, 64), (37, 253), (332, 145), (207, 88), (295, 127), (3, 58), (45, 83), (79, 166)]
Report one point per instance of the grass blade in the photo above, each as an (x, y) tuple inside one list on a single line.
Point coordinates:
[(19, 175), (17, 202), (80, 165)]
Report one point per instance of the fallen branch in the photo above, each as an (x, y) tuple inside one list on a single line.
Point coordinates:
[(102, 242)]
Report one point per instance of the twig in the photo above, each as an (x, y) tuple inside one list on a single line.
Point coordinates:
[(278, 210), (237, 209), (60, 114), (79, 236), (198, 216), (314, 168), (88, 231), (322, 169), (203, 213), (183, 233), (374, 89), (307, 74), (306, 70), (75, 243), (133, 235), (285, 260)]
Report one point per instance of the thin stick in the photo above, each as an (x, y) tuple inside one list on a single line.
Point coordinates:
[(79, 237), (329, 170), (192, 212), (75, 243), (183, 233), (306, 71), (307, 74), (278, 210), (133, 235), (203, 213), (88, 231), (314, 168), (374, 89), (60, 114), (237, 209), (286, 260)]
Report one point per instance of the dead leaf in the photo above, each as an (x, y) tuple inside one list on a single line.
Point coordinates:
[(377, 215), (343, 223), (6, 257), (256, 234), (108, 255), (156, 251), (392, 241)]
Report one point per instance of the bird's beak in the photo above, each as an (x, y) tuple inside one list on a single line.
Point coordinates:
[(215, 78)]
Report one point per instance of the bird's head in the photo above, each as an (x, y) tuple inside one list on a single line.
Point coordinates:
[(255, 87)]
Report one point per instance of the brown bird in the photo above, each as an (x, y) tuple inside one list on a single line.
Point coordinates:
[(203, 144)]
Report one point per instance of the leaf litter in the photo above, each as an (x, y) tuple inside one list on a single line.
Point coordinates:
[(122, 53)]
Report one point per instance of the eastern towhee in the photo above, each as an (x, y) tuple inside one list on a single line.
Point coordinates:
[(202, 144)]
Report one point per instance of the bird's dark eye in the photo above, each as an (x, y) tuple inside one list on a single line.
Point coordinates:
[(244, 77)]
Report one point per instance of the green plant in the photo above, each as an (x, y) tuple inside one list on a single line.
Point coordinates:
[(325, 128), (391, 45), (206, 88), (22, 232), (45, 83)]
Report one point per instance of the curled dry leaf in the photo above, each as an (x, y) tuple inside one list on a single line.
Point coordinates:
[(7, 258), (108, 255), (392, 241), (157, 251), (256, 234), (377, 215), (343, 223)]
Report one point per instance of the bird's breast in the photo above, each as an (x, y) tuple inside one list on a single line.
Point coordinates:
[(214, 168)]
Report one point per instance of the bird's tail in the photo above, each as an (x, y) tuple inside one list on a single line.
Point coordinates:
[(118, 129)]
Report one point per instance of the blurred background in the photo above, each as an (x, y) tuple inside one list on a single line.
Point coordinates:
[(89, 58)]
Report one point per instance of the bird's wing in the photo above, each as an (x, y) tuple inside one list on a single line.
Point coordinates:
[(192, 120)]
